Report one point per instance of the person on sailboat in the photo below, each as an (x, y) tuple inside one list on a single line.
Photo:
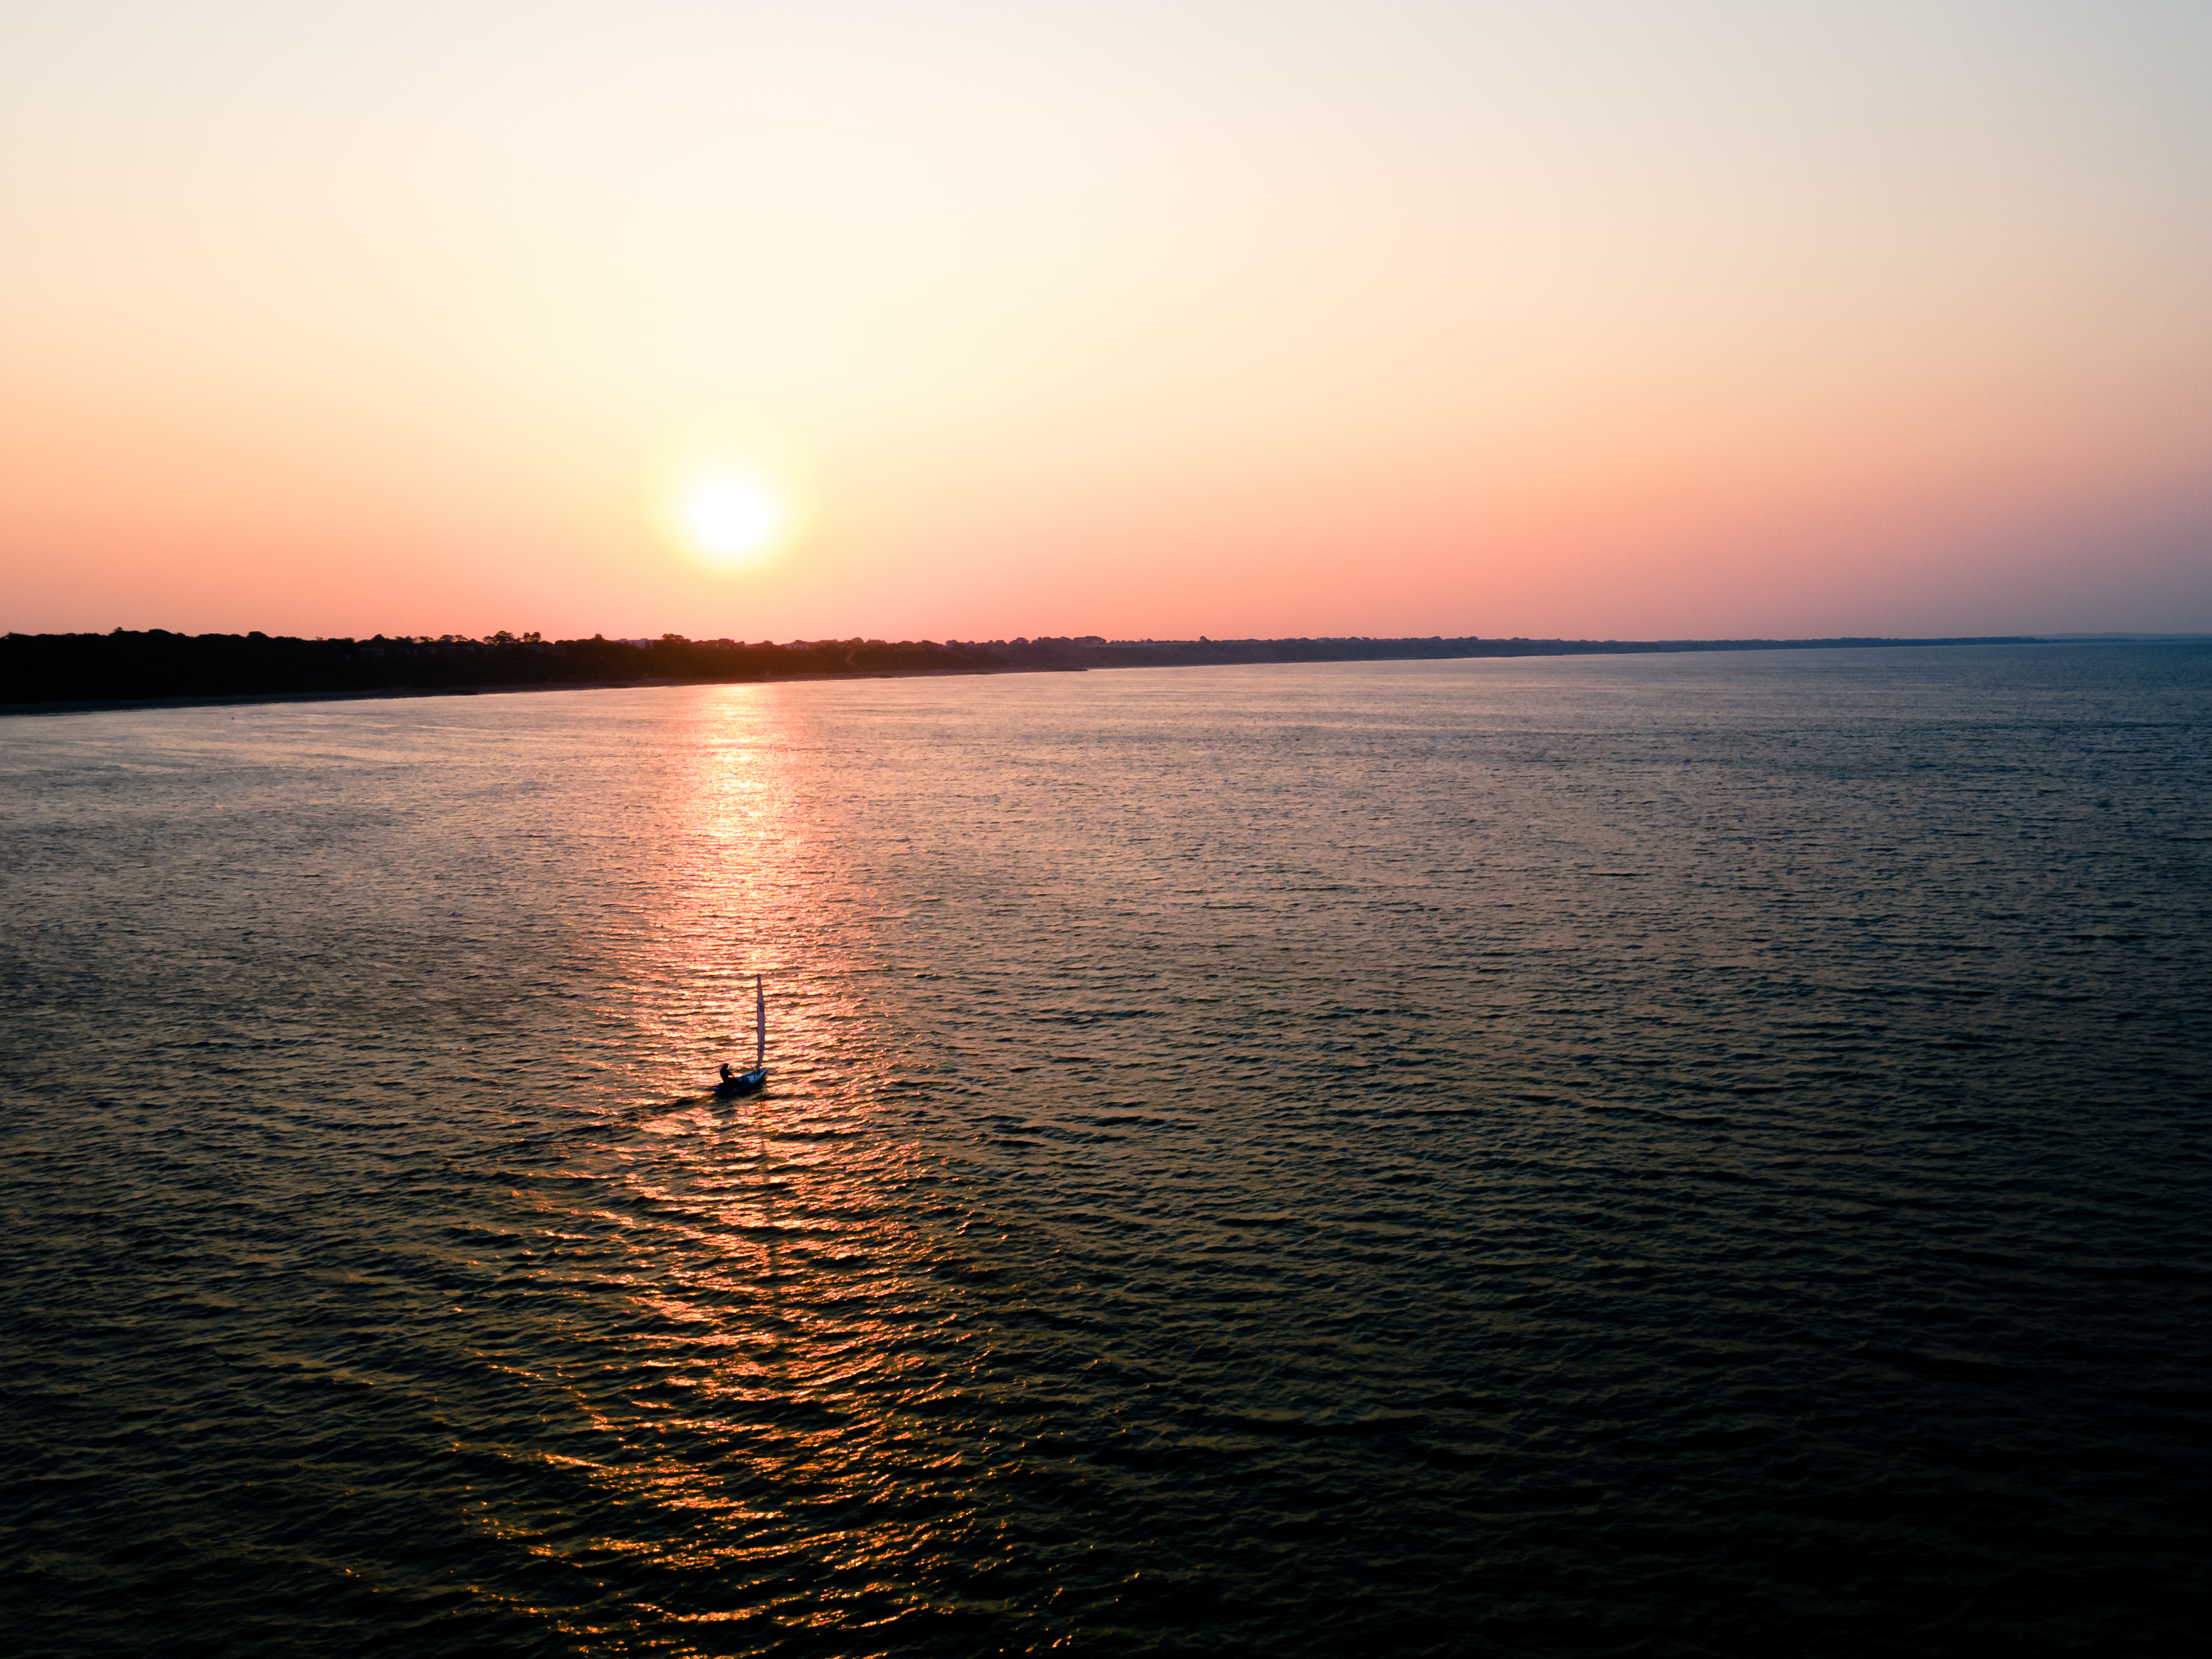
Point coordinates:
[(728, 1076)]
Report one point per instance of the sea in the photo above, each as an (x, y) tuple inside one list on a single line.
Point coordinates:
[(1672, 1155)]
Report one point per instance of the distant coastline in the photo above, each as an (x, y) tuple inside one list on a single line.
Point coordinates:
[(62, 673)]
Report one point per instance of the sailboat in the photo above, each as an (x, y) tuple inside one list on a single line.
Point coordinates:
[(744, 1083)]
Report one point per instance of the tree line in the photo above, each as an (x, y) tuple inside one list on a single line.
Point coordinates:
[(154, 664)]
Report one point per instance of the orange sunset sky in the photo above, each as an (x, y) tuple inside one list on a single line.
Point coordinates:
[(984, 320)]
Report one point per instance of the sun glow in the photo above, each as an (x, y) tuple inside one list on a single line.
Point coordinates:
[(730, 519), (729, 501)]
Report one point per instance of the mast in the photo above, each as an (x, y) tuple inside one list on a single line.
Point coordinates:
[(760, 1023)]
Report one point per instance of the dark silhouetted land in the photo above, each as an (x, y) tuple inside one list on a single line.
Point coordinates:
[(54, 671)]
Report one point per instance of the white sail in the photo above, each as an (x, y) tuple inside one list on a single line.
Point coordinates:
[(760, 1022)]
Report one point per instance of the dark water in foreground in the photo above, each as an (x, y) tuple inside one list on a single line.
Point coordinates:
[(1673, 1156)]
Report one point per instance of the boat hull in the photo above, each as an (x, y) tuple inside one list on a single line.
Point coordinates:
[(744, 1084)]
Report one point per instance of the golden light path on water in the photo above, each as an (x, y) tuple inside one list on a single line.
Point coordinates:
[(776, 1371)]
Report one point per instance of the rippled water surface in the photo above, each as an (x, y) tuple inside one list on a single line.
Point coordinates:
[(1664, 1155)]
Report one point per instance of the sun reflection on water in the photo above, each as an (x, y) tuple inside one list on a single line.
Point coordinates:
[(754, 1342)]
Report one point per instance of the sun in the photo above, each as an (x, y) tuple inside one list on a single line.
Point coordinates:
[(729, 518), (729, 501)]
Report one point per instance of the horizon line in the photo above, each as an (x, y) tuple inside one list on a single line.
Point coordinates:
[(507, 638)]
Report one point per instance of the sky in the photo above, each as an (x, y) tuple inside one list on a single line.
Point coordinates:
[(974, 320)]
